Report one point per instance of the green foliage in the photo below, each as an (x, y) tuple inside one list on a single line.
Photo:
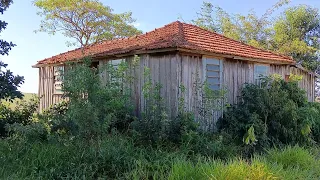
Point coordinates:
[(56, 120), (23, 114), (154, 125), (288, 163), (248, 28), (295, 157), (312, 114), (250, 138), (118, 158), (66, 161), (276, 111), (54, 143), (9, 83), (95, 107), (208, 103), (33, 132), (12, 104), (85, 21), (295, 32)]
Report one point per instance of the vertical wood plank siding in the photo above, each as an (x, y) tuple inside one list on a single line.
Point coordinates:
[(173, 71), (46, 88), (308, 80), (237, 72)]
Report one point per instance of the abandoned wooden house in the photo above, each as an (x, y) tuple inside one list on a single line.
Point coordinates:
[(175, 54)]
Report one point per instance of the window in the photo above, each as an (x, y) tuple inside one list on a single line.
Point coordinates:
[(116, 63), (259, 71), (58, 78), (213, 73), (116, 76)]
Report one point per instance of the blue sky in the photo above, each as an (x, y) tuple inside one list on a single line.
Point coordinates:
[(150, 14)]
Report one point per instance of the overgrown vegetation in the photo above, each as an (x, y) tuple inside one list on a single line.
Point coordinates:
[(273, 113), (271, 133)]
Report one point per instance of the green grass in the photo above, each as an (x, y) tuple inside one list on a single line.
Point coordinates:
[(117, 158), (26, 96)]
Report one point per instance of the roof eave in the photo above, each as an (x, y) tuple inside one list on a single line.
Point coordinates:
[(237, 57)]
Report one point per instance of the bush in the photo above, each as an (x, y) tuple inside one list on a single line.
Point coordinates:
[(275, 113), (94, 108), (33, 132), (55, 118), (313, 115), (23, 114), (155, 126)]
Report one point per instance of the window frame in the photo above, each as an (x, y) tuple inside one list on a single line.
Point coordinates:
[(205, 63), (58, 72), (115, 66), (256, 78)]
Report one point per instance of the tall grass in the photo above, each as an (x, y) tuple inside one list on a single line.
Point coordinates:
[(117, 158), (289, 163)]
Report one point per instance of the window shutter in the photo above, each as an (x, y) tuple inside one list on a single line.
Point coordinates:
[(213, 73)]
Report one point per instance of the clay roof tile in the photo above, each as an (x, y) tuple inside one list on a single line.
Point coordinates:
[(176, 34)]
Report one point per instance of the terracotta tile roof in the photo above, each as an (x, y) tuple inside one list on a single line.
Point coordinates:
[(174, 35)]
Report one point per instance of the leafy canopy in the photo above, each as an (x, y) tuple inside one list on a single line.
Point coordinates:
[(295, 32), (9, 83), (85, 21), (250, 28)]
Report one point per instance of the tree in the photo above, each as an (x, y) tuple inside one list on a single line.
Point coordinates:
[(8, 82), (249, 28), (297, 34), (86, 21)]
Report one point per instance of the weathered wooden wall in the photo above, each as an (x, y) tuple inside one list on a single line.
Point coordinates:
[(237, 72), (46, 88), (175, 70), (308, 80), (171, 71)]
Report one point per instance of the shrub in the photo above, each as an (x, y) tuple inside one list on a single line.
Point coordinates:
[(33, 132), (155, 126), (55, 118), (313, 115), (94, 107), (274, 112), (23, 114)]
